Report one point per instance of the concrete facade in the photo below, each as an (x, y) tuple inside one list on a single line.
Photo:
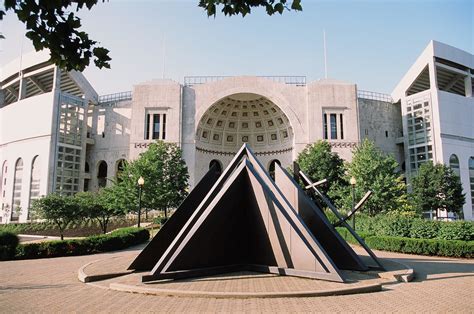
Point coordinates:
[(437, 109), (42, 130), (81, 139)]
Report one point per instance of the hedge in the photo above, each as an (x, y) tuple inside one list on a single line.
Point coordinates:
[(8, 244), (116, 240), (406, 227), (449, 248)]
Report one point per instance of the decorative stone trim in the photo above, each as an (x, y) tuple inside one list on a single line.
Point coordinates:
[(265, 153), (344, 144)]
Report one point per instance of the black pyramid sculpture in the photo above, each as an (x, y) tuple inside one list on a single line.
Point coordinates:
[(243, 220)]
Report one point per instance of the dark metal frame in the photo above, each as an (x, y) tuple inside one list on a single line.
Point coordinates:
[(342, 220), (282, 236)]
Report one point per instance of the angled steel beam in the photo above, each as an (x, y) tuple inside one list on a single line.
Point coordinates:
[(344, 223), (356, 208), (315, 184)]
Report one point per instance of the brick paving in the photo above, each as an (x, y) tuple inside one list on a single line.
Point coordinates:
[(442, 285)]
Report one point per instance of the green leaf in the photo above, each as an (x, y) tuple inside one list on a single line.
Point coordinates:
[(296, 5)]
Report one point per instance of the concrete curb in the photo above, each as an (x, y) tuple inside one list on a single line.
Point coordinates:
[(244, 295), (403, 275), (84, 277)]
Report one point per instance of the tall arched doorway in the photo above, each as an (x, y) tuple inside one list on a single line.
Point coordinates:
[(217, 166), (271, 167), (102, 174), (243, 118), (17, 187)]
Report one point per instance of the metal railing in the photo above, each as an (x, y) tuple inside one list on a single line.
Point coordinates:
[(292, 80), (116, 97), (374, 96)]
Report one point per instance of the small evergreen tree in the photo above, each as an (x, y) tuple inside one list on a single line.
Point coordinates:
[(318, 162), (377, 172), (437, 187)]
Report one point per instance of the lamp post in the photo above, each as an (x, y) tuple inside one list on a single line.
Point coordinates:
[(140, 182), (353, 183)]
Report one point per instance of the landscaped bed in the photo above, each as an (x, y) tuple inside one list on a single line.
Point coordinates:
[(74, 229), (116, 240), (414, 235)]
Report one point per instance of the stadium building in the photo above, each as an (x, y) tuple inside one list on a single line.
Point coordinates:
[(58, 135)]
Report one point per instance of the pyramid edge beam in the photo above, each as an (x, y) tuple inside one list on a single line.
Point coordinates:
[(223, 178), (318, 251), (142, 261), (190, 227), (332, 274), (338, 237), (284, 201)]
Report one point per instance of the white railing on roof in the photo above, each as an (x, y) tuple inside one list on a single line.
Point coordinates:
[(374, 96), (292, 80), (113, 98)]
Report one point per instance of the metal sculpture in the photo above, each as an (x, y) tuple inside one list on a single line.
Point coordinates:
[(243, 220)]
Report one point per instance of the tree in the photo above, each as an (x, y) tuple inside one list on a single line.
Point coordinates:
[(165, 174), (53, 25), (100, 206), (377, 172), (244, 7), (318, 162), (57, 209), (437, 187)]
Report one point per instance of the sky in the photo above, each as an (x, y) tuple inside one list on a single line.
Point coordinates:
[(371, 43)]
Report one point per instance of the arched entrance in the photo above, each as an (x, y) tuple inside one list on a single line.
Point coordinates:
[(243, 118), (217, 164)]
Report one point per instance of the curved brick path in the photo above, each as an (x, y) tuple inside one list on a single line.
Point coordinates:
[(442, 284)]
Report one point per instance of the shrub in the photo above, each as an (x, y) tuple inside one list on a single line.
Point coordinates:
[(397, 227), (160, 220), (29, 250), (8, 244), (424, 229), (456, 230), (330, 216), (349, 237), (116, 240), (449, 248)]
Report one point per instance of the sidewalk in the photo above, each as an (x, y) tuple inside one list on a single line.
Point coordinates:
[(51, 285)]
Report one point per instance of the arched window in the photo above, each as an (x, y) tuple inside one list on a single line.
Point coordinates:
[(120, 166), (35, 181), (17, 183), (3, 182), (3, 179), (454, 164), (471, 181), (271, 167), (102, 174), (217, 164)]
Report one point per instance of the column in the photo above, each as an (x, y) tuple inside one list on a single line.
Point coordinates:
[(468, 85)]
